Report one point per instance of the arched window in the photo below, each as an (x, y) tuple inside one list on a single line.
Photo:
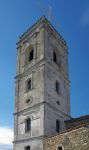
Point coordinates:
[(54, 57), (59, 148), (29, 54), (57, 56)]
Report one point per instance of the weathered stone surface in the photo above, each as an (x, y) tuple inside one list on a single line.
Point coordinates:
[(76, 139), (43, 109), (42, 104)]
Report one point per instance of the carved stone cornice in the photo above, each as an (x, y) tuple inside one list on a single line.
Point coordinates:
[(42, 22)]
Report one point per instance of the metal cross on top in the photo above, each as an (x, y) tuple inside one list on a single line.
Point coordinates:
[(48, 12)]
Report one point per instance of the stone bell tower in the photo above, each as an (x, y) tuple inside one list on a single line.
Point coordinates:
[(42, 97)]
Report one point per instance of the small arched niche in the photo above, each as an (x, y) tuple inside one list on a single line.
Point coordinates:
[(60, 147)]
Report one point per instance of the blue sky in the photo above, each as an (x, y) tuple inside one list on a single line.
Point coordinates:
[(18, 15)]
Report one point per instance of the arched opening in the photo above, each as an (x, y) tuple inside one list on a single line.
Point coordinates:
[(29, 54), (59, 148), (54, 57)]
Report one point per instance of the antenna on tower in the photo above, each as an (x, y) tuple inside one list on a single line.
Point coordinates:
[(48, 12)]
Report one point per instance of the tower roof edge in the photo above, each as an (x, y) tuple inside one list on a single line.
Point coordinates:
[(35, 25)]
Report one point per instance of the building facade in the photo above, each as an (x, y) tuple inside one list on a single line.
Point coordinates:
[(42, 97), (74, 137)]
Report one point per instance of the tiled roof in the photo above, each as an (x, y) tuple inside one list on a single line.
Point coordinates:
[(81, 118), (69, 130), (83, 123)]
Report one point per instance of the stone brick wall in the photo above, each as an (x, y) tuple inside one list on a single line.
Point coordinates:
[(76, 139)]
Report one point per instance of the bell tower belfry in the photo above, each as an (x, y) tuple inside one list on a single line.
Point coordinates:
[(42, 97)]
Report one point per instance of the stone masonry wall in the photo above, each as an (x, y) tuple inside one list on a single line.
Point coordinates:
[(77, 139)]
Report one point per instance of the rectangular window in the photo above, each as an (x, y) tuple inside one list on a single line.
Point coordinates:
[(29, 85), (27, 148), (28, 125), (57, 126), (57, 87)]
